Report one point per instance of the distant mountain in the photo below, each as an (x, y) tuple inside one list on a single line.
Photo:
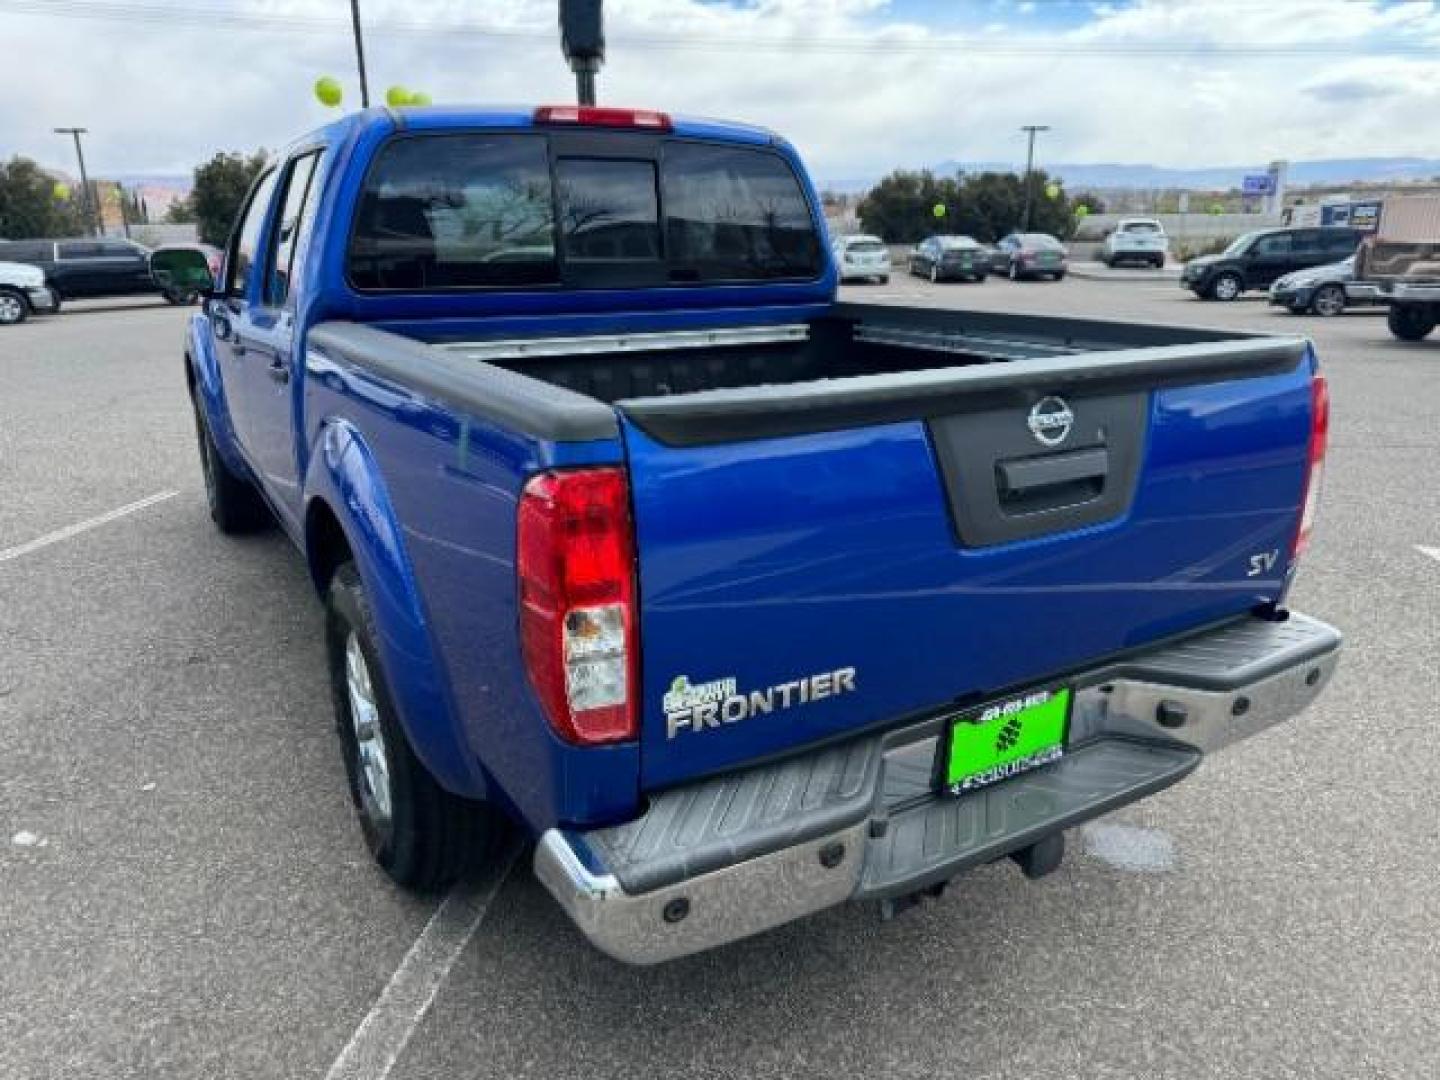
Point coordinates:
[(1115, 175)]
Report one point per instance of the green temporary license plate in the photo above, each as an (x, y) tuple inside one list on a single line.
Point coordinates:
[(1004, 739)]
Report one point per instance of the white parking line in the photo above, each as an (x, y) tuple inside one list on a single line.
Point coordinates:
[(382, 1036), (83, 526), (1433, 552)]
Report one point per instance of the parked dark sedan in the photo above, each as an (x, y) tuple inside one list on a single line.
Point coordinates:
[(950, 258), (1324, 290), (1032, 255), (1258, 259), (81, 268)]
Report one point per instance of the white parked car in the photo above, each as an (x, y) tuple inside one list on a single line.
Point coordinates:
[(1136, 240), (862, 258), (23, 292)]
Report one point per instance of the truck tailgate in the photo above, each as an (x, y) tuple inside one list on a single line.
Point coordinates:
[(796, 587)]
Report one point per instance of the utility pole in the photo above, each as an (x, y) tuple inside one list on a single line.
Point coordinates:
[(360, 54), (1031, 129), (87, 201)]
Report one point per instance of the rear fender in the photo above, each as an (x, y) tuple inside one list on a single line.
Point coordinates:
[(208, 391), (344, 476)]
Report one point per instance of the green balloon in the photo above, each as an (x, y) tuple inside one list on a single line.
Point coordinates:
[(62, 191), (397, 96), (327, 89), (938, 210), (1217, 208), (1052, 190), (420, 98), (1082, 211)]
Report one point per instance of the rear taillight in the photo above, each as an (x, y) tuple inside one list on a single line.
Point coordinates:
[(1315, 465), (603, 116), (575, 561)]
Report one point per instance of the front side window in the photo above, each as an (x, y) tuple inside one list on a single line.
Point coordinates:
[(456, 211), (81, 249), (247, 240), (1278, 244)]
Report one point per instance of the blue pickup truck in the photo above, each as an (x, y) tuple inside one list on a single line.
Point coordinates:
[(741, 601)]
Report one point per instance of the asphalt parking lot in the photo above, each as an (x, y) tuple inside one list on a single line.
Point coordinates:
[(183, 892)]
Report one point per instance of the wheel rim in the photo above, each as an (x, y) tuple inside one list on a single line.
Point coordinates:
[(373, 761), (10, 310), (1227, 288), (1329, 301)]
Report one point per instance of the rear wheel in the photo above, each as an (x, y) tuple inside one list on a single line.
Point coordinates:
[(235, 505), (13, 307), (1412, 322), (1227, 287), (421, 835), (1329, 300)]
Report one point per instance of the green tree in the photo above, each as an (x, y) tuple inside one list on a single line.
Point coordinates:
[(181, 212), (220, 188), (901, 208), (29, 206)]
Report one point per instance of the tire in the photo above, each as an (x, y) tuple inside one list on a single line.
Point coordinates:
[(1060, 275), (883, 280), (235, 506), (1226, 287), (421, 835), (1412, 322), (14, 308), (934, 274), (1158, 262), (1328, 301)]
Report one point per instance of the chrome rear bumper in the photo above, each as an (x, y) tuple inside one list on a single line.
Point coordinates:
[(702, 868)]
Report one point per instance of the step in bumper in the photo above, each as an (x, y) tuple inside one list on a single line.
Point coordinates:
[(735, 855)]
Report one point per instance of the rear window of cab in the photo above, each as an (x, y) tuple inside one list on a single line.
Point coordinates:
[(506, 210)]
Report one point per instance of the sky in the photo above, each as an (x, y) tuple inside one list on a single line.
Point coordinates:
[(860, 86)]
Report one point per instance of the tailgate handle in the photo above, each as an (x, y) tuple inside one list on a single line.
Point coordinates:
[(1028, 476)]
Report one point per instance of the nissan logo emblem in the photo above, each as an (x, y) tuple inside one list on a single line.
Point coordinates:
[(1050, 421)]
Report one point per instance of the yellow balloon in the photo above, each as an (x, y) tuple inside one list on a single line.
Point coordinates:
[(1052, 190), (397, 96), (327, 89), (419, 97), (62, 191)]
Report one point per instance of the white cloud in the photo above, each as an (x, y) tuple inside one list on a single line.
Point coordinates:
[(161, 94)]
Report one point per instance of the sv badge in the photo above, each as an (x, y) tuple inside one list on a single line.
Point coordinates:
[(1263, 563)]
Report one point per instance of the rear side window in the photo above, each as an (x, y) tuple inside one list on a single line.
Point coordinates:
[(870, 247), (456, 211), (1140, 227), (1341, 242), (733, 214)]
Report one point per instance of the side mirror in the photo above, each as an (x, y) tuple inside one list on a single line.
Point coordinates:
[(182, 271)]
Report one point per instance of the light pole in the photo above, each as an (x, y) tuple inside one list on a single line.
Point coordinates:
[(360, 54), (87, 200), (1031, 129)]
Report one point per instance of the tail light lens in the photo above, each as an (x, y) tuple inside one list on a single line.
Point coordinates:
[(575, 560), (1315, 468)]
